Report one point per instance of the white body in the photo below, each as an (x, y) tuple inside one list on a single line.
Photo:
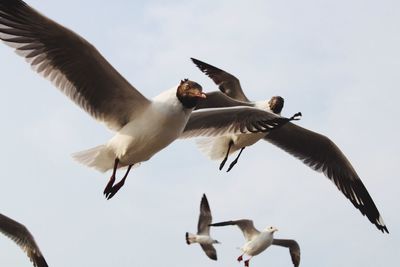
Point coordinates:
[(216, 148), (258, 244), (201, 239), (154, 129)]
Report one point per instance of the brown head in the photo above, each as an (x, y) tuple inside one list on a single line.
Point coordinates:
[(276, 104), (189, 93)]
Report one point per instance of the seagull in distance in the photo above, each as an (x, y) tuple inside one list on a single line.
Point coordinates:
[(258, 241), (203, 231)]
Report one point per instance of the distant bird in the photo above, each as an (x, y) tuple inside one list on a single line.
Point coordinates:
[(313, 149), (203, 231), (143, 127), (257, 242), (23, 238)]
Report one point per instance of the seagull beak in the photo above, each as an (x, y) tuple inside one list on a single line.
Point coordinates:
[(201, 95)]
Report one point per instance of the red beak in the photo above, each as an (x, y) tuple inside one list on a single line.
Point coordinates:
[(201, 95)]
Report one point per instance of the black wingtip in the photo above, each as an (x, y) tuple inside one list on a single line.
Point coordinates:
[(296, 117), (187, 238)]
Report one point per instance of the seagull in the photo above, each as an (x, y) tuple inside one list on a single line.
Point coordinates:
[(203, 231), (23, 238), (257, 242), (143, 126), (313, 149)]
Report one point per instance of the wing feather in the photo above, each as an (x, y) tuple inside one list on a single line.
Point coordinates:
[(71, 63)]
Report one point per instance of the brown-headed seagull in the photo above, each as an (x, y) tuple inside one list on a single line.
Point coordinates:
[(203, 237), (258, 241), (313, 149), (143, 126), (23, 238)]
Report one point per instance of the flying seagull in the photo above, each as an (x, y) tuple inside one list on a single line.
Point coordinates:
[(23, 238), (203, 231), (313, 149), (143, 127), (257, 242)]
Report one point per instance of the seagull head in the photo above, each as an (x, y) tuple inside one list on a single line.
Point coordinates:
[(189, 93), (276, 104), (216, 242), (271, 229)]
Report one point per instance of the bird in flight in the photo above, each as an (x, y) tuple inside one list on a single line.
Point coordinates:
[(203, 231), (258, 241), (313, 149), (143, 126)]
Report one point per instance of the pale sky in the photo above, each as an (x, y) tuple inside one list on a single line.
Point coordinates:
[(337, 62)]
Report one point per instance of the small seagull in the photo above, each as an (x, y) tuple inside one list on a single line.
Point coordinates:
[(23, 238), (257, 242), (313, 149), (143, 127), (203, 231)]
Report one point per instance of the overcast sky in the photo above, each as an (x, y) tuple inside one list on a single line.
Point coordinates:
[(337, 62)]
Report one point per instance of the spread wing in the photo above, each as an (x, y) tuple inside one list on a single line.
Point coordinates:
[(205, 217), (294, 249), (217, 99), (247, 227), (71, 63), (232, 120), (23, 238), (227, 83), (210, 251), (321, 154)]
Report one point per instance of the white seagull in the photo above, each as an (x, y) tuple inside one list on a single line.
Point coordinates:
[(203, 231), (143, 126), (23, 238), (257, 242), (313, 149)]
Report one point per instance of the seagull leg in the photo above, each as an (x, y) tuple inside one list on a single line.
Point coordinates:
[(112, 178), (226, 156), (247, 262), (118, 185), (233, 163), (240, 258)]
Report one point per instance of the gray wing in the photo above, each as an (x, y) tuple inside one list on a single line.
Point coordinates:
[(71, 63), (227, 83), (205, 217), (247, 227), (23, 238), (217, 99), (232, 120), (321, 154), (294, 249), (210, 251)]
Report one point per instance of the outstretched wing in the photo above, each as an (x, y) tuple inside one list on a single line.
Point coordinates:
[(321, 154), (210, 251), (217, 99), (205, 217), (247, 227), (71, 63), (294, 249), (232, 120), (23, 238), (227, 83)]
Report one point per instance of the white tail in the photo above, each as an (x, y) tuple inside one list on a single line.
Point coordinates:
[(100, 157), (190, 238), (215, 148)]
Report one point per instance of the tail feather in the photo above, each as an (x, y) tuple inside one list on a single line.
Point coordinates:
[(101, 158), (189, 238), (215, 148)]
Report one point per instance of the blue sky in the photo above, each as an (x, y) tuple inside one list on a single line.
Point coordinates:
[(337, 62)]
